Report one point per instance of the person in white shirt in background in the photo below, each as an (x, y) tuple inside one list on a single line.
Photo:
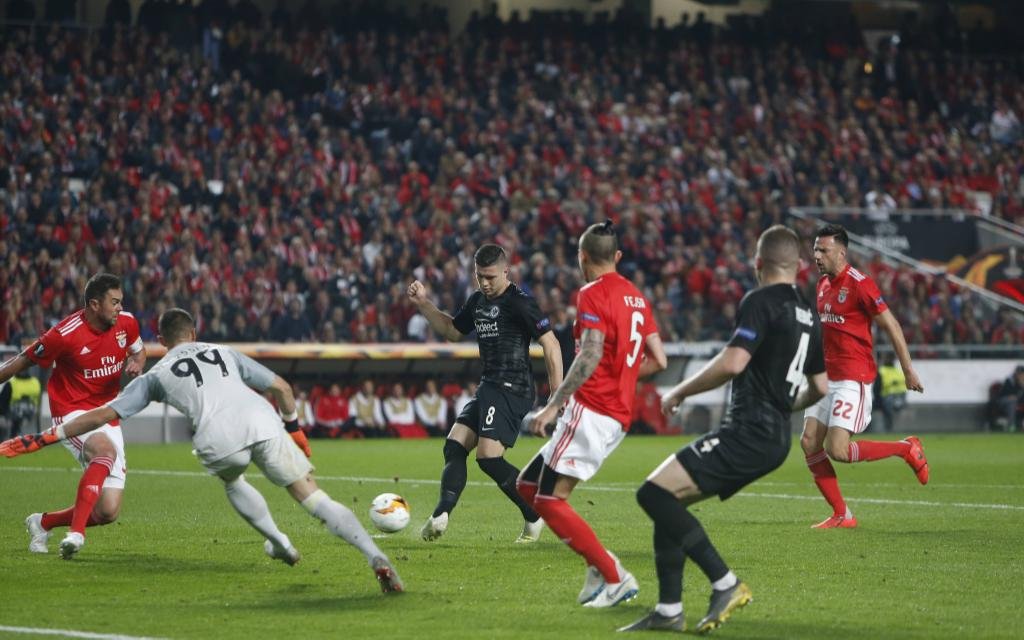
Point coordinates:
[(431, 409)]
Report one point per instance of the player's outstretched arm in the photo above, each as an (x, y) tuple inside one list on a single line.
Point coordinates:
[(439, 321), (82, 424), (892, 328), (282, 392), (656, 359), (725, 366), (14, 366), (817, 387), (591, 349), (552, 358)]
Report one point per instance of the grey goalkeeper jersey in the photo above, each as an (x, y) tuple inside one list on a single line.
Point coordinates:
[(213, 385)]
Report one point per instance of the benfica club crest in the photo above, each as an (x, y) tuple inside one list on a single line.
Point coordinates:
[(842, 295), (122, 339)]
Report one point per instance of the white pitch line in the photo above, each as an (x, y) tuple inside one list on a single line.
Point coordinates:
[(71, 633), (610, 488)]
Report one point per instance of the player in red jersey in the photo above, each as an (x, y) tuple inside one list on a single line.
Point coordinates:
[(87, 351), (848, 301), (618, 343)]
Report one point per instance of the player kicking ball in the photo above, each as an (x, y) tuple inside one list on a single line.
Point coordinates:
[(233, 426), (775, 345)]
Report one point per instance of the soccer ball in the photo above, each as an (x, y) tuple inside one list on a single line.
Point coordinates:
[(389, 512)]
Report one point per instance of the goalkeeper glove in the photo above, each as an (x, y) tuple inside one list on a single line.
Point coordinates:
[(299, 436), (29, 443)]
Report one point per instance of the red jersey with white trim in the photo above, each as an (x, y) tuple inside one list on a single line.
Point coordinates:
[(613, 306), (86, 364), (846, 305)]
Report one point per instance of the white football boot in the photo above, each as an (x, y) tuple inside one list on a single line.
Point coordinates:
[(434, 528), (71, 544), (288, 555), (531, 531), (40, 537)]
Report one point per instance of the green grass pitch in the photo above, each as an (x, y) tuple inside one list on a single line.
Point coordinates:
[(926, 562)]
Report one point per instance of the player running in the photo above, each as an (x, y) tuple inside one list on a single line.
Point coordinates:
[(776, 343), (618, 343), (847, 302), (212, 385), (87, 351), (505, 320)]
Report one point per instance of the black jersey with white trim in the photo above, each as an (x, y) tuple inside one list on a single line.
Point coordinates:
[(504, 327), (783, 335)]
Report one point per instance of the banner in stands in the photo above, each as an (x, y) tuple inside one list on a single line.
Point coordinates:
[(933, 239)]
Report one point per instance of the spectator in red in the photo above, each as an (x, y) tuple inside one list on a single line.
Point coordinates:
[(331, 412)]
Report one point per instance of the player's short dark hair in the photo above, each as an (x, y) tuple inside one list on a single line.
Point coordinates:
[(99, 285), (834, 231), (600, 242), (175, 324), (489, 254), (779, 248)]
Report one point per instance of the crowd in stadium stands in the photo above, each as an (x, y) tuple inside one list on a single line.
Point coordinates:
[(284, 177)]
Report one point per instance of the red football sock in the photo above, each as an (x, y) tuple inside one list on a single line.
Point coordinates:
[(868, 450), (62, 518), (575, 532), (825, 477), (89, 488), (528, 490)]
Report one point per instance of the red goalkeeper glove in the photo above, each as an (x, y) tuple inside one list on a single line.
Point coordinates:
[(299, 436), (28, 443)]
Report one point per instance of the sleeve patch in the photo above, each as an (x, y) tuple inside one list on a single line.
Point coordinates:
[(879, 301), (745, 333), (589, 317), (39, 350), (544, 324)]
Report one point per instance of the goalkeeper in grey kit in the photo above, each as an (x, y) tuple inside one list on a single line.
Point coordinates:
[(215, 387)]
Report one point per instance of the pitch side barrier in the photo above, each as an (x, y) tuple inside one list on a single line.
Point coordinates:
[(955, 398)]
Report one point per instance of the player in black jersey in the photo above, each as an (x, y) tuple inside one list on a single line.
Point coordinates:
[(776, 343), (505, 320)]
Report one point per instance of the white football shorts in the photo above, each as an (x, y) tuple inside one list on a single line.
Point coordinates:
[(76, 445), (582, 441), (847, 405), (280, 460)]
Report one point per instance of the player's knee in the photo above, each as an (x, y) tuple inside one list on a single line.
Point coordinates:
[(100, 447), (645, 496), (840, 452), (454, 450), (652, 498), (810, 443), (105, 513), (493, 467)]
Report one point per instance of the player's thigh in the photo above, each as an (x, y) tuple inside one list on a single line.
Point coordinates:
[(464, 435), (816, 423), (850, 405), (813, 437), (500, 415), (582, 441), (671, 476), (105, 441), (230, 467), (281, 460)]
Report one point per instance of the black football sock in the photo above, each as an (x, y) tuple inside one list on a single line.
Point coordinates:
[(453, 476), (669, 556), (682, 528), (504, 474)]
